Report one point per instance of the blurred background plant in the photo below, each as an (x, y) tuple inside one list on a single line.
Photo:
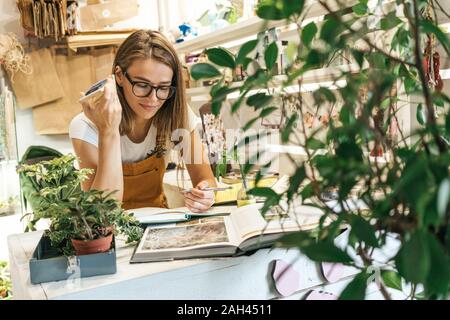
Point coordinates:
[(363, 153), (5, 282)]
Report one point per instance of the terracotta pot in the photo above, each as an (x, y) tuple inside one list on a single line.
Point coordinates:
[(83, 247)]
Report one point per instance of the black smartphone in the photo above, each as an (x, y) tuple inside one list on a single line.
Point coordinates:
[(95, 90)]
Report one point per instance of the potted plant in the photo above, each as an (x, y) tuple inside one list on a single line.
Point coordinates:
[(407, 195), (81, 222)]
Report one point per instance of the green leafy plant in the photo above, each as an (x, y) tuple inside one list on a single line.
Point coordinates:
[(407, 195), (222, 165), (73, 213), (5, 282)]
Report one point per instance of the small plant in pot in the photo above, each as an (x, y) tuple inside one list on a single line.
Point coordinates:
[(90, 220), (81, 222)]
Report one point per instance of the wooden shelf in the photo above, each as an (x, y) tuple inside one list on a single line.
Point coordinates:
[(250, 27), (230, 33), (96, 39)]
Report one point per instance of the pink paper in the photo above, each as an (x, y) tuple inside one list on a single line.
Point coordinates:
[(286, 279), (332, 271)]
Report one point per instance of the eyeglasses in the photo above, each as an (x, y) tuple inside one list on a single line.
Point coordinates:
[(143, 89)]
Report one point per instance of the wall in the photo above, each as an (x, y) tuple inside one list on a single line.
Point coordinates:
[(9, 22)]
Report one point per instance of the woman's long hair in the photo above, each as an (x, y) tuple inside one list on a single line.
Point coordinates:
[(144, 44)]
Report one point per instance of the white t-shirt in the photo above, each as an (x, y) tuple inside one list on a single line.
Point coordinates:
[(82, 128)]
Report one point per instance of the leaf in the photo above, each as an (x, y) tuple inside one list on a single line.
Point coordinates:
[(413, 258), (420, 116), (390, 21), (222, 93), (360, 9), (447, 123), (330, 29), (439, 275), (314, 144), (308, 33), (443, 197), (291, 7), (359, 57), (271, 55), (324, 94), (410, 85), (356, 289), (279, 9), (295, 181), (325, 251), (215, 107), (286, 133), (266, 111), (377, 60), (268, 11), (245, 49), (237, 104), (204, 71), (307, 192), (392, 279), (247, 62), (259, 100), (349, 150), (344, 115), (216, 87), (221, 57), (364, 231), (263, 192), (295, 240), (250, 123), (429, 27)]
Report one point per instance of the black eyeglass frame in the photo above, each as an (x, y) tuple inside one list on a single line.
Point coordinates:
[(133, 83)]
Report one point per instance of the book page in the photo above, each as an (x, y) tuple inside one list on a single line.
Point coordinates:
[(249, 222), (198, 233)]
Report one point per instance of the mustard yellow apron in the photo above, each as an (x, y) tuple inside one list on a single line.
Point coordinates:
[(143, 183)]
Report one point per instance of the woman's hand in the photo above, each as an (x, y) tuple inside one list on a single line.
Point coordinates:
[(197, 200), (105, 112)]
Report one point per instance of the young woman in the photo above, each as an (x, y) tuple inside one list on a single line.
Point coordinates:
[(125, 135)]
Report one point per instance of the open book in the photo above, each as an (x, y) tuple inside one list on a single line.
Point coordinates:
[(244, 229)]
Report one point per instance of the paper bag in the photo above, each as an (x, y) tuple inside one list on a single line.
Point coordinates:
[(39, 87), (102, 62), (26, 14), (75, 74), (99, 16)]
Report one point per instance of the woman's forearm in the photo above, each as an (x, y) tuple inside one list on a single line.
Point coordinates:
[(109, 174)]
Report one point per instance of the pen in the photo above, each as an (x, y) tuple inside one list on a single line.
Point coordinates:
[(208, 189), (207, 214)]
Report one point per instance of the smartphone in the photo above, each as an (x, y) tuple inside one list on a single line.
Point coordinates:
[(95, 90)]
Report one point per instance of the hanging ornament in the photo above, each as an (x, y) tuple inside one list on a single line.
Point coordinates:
[(431, 58)]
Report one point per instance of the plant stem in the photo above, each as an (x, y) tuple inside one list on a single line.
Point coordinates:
[(383, 290), (365, 39), (442, 9), (426, 92)]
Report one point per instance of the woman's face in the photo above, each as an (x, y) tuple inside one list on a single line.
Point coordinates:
[(145, 71)]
